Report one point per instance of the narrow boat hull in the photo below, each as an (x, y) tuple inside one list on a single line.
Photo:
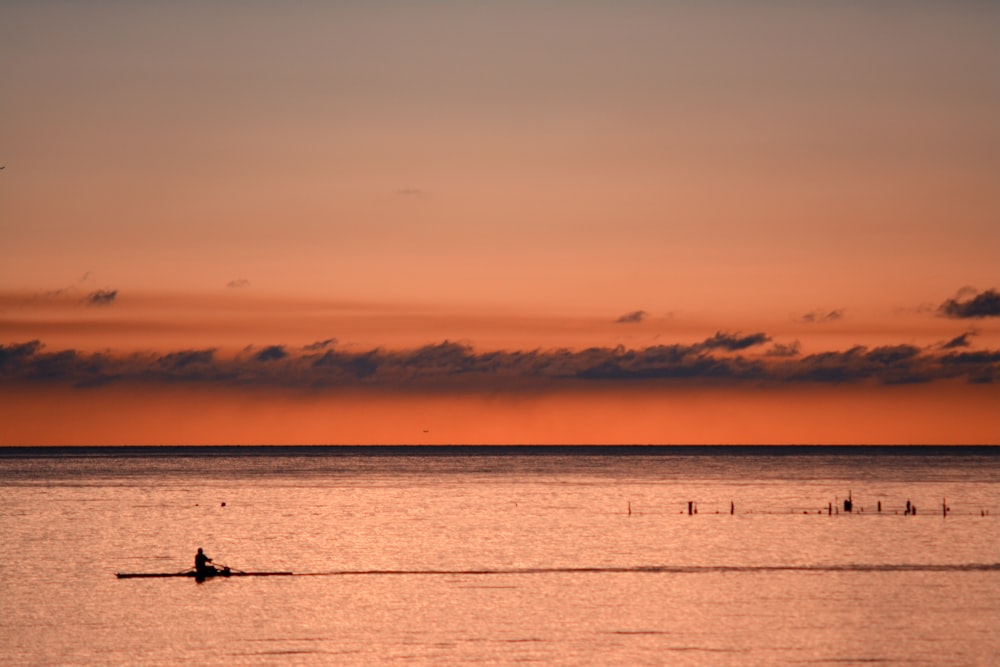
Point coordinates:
[(198, 575)]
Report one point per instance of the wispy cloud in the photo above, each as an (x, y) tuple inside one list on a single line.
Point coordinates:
[(959, 341), (238, 283), (633, 317), (453, 366), (784, 349), (320, 345), (101, 297), (69, 289), (820, 316), (985, 304)]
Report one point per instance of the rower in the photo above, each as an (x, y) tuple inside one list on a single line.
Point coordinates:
[(201, 562)]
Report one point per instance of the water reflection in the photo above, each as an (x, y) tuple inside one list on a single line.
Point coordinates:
[(500, 558)]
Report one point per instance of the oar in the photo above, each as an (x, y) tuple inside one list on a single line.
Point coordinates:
[(231, 569)]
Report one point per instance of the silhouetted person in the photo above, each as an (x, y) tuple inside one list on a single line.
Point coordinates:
[(201, 563)]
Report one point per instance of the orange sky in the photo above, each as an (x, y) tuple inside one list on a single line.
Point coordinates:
[(513, 176), (124, 416)]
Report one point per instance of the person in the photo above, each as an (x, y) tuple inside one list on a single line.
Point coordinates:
[(201, 562)]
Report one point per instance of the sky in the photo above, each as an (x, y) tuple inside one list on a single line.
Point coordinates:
[(499, 222)]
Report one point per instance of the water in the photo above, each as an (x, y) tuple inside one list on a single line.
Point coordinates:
[(481, 555)]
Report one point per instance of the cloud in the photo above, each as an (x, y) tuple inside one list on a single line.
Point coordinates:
[(320, 345), (238, 283), (980, 367), (819, 316), (70, 289), (986, 304), (734, 342), (634, 316), (450, 366), (342, 366), (670, 362), (12, 356), (784, 350), (959, 341), (409, 192), (180, 360), (101, 297), (271, 353), (893, 364)]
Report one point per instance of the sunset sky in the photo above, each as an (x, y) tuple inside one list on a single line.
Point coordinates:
[(499, 222)]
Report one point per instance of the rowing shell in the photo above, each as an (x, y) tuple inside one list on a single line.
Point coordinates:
[(199, 575)]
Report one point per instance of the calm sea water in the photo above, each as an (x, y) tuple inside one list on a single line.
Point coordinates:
[(479, 555)]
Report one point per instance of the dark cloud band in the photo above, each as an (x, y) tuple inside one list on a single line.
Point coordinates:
[(718, 360)]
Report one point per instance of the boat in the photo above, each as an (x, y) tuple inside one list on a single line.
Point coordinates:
[(201, 575)]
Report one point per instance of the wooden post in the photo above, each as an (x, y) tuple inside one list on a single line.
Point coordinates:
[(690, 507)]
